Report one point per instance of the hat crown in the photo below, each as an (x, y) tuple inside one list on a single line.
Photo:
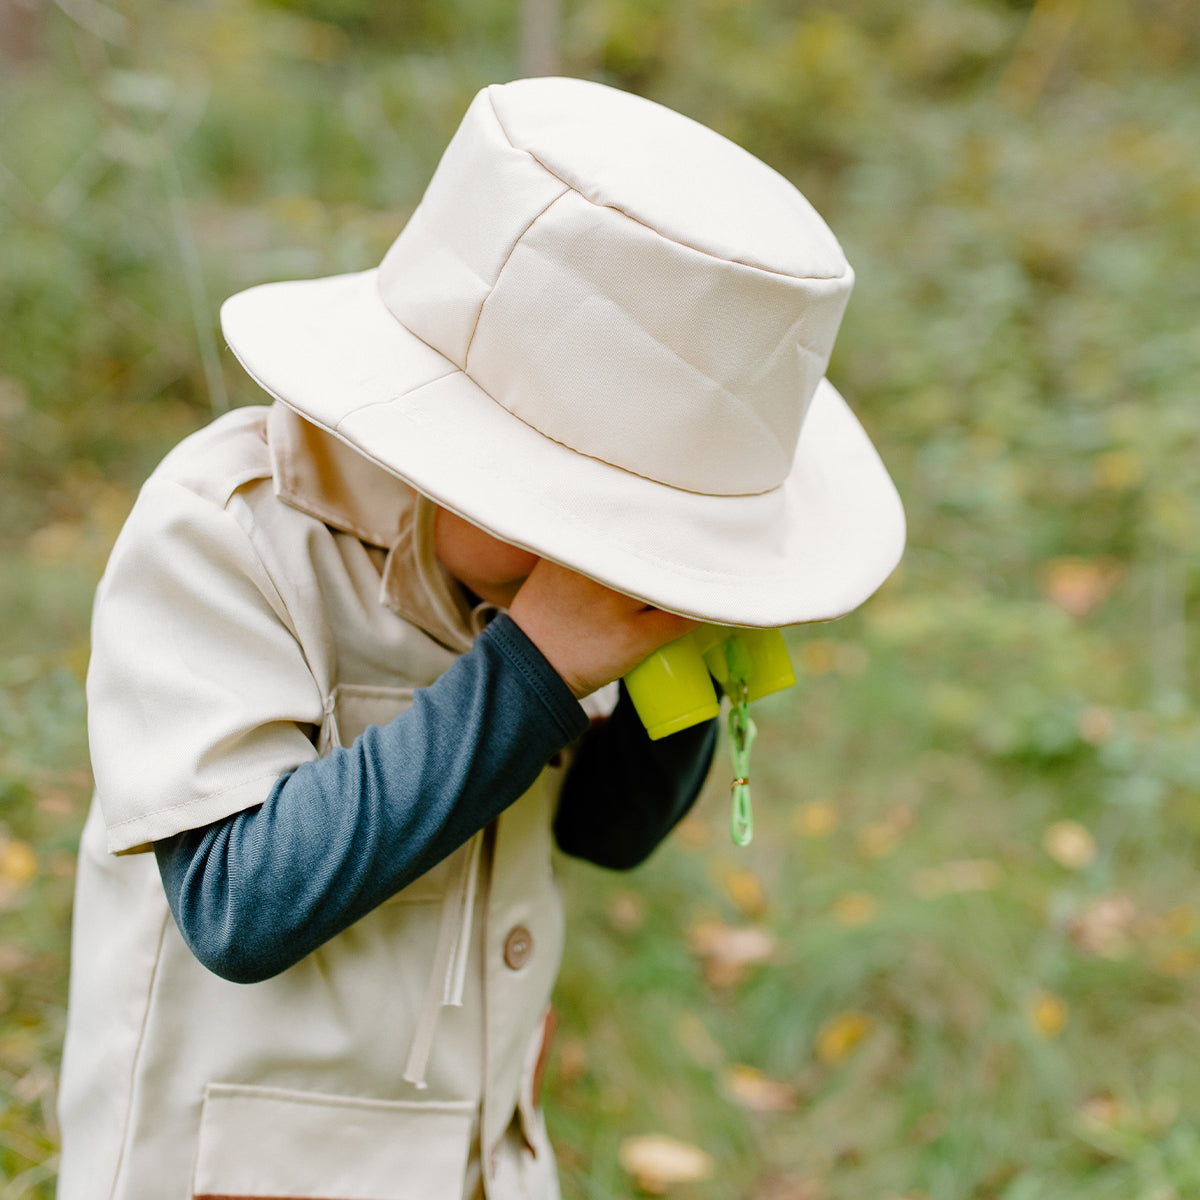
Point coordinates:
[(626, 281), (669, 173)]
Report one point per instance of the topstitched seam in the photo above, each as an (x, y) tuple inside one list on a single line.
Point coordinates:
[(629, 216), (511, 251)]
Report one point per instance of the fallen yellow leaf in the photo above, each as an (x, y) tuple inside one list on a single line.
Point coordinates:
[(755, 1091), (1069, 844), (1101, 1111), (1116, 470), (656, 1162), (855, 909), (626, 911), (727, 950), (745, 889), (1048, 1014), (878, 841), (816, 819), (1181, 922), (56, 543), (18, 863), (1104, 926), (1178, 962), (840, 1035), (817, 656), (1077, 585)]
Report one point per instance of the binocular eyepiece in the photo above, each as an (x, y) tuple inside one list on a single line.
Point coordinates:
[(673, 689)]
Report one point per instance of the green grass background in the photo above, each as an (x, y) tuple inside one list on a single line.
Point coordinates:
[(970, 906)]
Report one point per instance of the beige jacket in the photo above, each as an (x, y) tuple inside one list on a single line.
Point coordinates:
[(272, 594)]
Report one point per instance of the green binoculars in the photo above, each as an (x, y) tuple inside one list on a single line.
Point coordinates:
[(673, 689)]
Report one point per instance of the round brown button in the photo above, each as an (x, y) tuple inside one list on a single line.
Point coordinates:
[(518, 946)]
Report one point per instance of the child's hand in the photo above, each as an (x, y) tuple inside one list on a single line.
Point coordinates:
[(589, 634)]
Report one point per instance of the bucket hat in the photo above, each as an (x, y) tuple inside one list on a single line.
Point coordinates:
[(603, 336)]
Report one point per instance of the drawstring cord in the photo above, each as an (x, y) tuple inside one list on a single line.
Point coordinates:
[(448, 975), (447, 978), (331, 735)]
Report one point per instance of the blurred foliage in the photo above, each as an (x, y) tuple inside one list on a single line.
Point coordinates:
[(962, 957)]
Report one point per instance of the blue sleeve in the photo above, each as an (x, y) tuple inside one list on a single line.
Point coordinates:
[(254, 893)]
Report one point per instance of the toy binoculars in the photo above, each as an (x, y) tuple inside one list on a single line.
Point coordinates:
[(673, 688)]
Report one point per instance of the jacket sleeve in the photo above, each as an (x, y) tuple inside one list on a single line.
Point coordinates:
[(256, 891), (624, 793), (199, 694)]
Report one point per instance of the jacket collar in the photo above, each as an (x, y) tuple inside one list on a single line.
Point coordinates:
[(327, 479), (323, 477)]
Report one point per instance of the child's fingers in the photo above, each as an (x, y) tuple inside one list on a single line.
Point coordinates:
[(589, 633), (662, 627)]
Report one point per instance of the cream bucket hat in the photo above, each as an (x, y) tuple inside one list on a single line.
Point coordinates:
[(603, 336)]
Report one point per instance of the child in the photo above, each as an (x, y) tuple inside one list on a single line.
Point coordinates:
[(341, 644)]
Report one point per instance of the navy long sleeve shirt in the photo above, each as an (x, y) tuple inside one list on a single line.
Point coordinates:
[(257, 891)]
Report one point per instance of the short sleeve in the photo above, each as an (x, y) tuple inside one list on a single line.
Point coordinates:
[(198, 690)]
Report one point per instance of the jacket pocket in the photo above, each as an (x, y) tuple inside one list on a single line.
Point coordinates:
[(290, 1145)]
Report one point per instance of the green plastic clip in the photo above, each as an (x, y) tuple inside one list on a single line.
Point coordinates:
[(742, 732)]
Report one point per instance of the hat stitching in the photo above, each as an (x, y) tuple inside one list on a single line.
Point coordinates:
[(679, 569), (463, 370), (354, 412), (482, 304), (540, 502), (637, 221), (540, 432), (745, 411)]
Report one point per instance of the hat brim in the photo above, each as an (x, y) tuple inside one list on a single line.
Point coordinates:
[(810, 550)]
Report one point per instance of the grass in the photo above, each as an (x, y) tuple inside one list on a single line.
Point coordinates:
[(961, 957), (956, 1011)]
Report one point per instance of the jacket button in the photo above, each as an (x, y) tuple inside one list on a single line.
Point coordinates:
[(518, 946)]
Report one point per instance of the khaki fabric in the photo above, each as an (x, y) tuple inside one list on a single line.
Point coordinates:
[(271, 595)]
